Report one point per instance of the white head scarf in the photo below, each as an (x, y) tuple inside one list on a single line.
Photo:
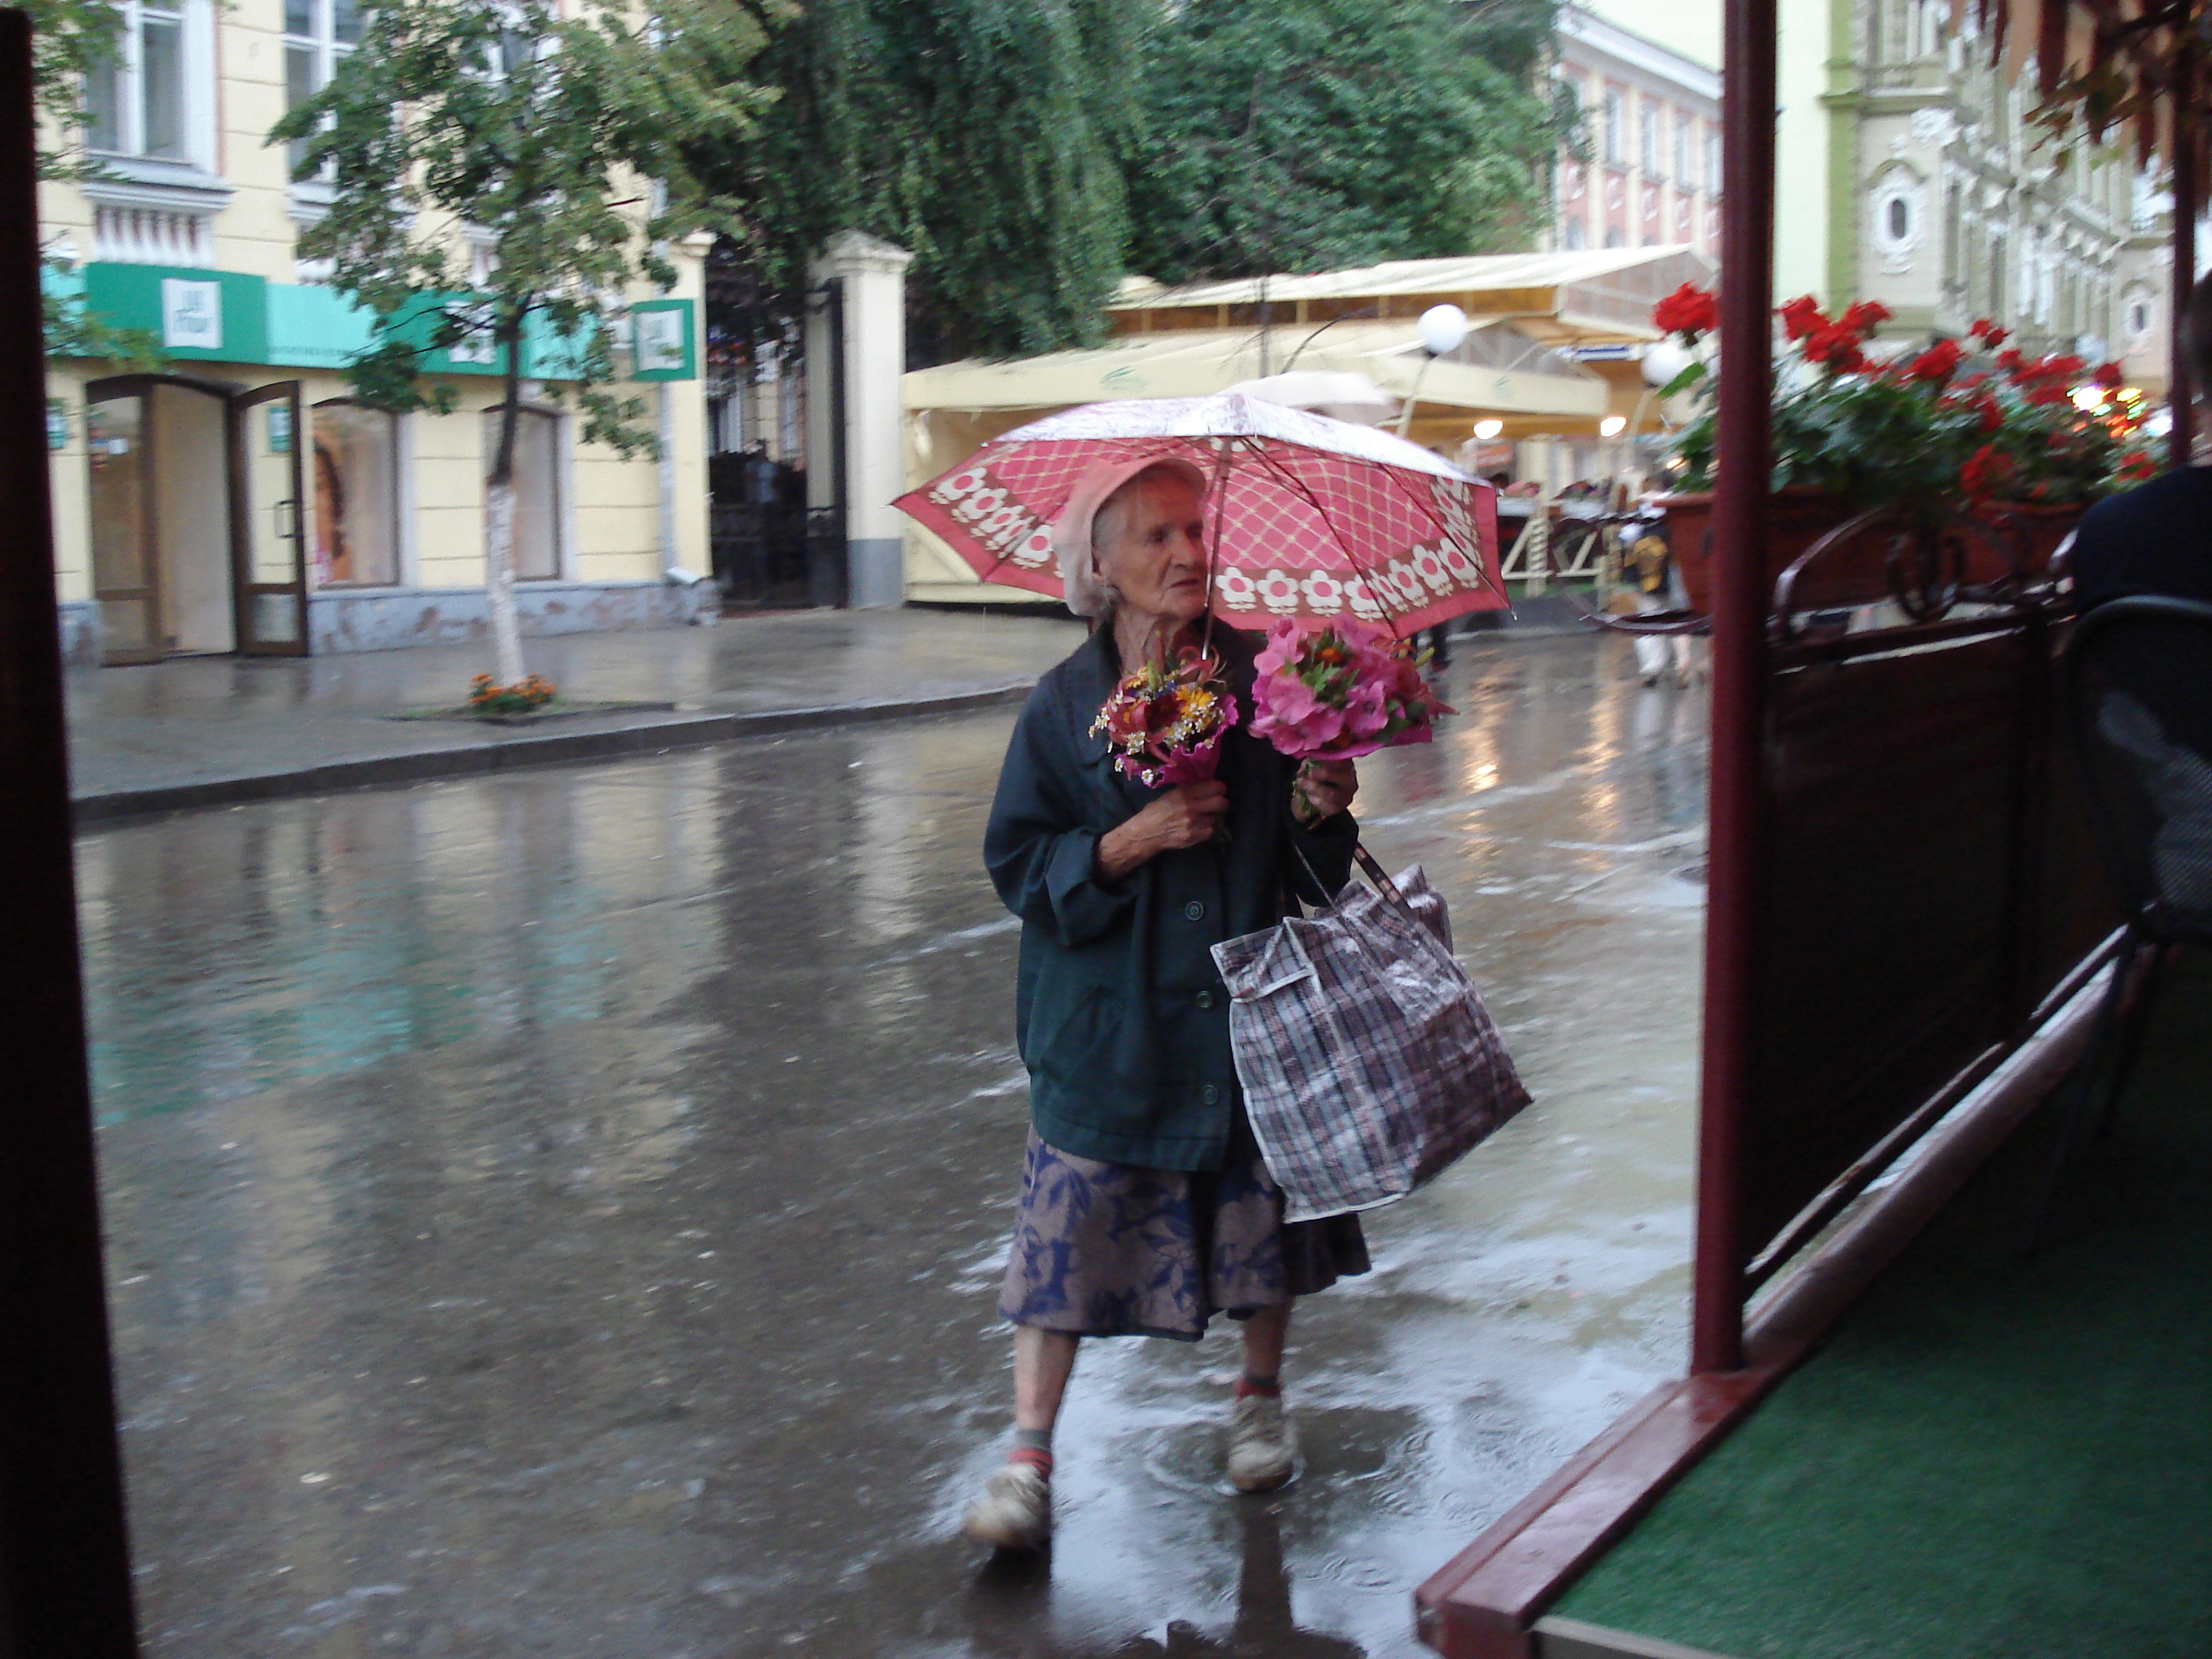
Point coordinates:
[(1071, 531)]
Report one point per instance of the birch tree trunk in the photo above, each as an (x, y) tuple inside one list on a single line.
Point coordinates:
[(499, 514), (499, 579)]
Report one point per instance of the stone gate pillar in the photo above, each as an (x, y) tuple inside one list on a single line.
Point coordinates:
[(855, 441)]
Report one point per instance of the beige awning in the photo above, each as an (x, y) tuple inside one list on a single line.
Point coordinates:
[(1596, 295), (1502, 373)]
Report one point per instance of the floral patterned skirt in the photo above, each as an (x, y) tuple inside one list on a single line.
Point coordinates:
[(1103, 1249)]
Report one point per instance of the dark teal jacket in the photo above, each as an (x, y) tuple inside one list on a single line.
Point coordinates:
[(1119, 1012)]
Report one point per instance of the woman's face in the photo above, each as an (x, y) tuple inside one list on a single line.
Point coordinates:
[(1153, 553)]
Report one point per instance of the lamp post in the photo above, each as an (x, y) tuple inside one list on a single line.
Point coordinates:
[(1442, 329)]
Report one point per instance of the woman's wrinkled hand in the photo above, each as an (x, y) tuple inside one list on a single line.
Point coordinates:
[(1185, 815), (1323, 789)]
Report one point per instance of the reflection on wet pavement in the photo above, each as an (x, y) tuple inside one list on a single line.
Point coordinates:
[(559, 1213)]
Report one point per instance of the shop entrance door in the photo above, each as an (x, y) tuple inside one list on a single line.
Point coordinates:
[(267, 524), (197, 543)]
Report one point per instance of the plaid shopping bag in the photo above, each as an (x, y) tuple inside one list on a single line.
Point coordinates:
[(1369, 1063)]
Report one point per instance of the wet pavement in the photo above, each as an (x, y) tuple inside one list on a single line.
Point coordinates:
[(558, 1212), (194, 730)]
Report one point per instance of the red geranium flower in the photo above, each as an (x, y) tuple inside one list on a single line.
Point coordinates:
[(2109, 376), (1864, 315), (2010, 360), (1938, 363), (1833, 342), (1802, 317), (1985, 468), (1988, 332), (1688, 310)]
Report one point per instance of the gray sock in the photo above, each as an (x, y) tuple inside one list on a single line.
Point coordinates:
[(1035, 1440)]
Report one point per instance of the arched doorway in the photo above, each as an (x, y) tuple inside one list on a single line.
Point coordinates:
[(195, 500)]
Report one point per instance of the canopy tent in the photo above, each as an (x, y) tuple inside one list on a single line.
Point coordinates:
[(1593, 297)]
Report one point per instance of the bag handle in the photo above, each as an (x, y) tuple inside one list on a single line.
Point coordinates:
[(1369, 866)]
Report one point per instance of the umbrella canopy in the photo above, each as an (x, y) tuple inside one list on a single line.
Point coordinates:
[(1310, 517), (1339, 395)]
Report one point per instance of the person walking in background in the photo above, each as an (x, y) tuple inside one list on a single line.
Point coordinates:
[(1653, 584), (1145, 1208)]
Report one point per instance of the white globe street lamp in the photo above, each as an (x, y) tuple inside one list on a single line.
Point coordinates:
[(1613, 426), (1485, 430), (1442, 329), (1663, 360)]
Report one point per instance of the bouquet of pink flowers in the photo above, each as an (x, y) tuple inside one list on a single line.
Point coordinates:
[(1164, 723), (1341, 691)]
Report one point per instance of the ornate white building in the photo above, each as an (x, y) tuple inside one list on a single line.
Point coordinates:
[(1955, 208), (1909, 174)]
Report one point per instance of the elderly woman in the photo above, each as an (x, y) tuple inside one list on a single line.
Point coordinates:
[(1145, 1208)]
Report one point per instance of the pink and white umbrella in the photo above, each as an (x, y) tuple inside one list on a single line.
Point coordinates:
[(1313, 518)]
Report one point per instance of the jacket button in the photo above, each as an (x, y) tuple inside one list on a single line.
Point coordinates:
[(1209, 1094), (1194, 911), (1205, 999)]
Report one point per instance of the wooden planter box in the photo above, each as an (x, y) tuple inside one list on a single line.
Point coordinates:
[(1857, 573)]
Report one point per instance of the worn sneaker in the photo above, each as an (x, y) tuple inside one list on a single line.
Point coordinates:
[(1015, 1511), (1263, 1451)]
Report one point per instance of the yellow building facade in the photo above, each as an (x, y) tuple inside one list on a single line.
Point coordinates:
[(240, 499)]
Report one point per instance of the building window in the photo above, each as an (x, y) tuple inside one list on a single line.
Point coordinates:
[(1577, 236), (1712, 160), (1651, 118), (140, 103), (1683, 122), (537, 489), (1615, 118), (319, 34), (356, 487)]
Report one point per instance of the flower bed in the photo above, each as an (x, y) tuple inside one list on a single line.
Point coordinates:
[(1968, 429)]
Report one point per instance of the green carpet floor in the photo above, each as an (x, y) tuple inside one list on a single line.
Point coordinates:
[(1992, 1458)]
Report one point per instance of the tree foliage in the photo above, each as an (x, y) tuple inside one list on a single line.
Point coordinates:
[(69, 40), (987, 137), (547, 151), (496, 165), (1304, 135)]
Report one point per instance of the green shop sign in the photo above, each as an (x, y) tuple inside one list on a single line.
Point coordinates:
[(212, 316), (225, 316), (662, 343)]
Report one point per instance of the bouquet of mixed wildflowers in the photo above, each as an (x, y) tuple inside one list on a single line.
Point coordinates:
[(1164, 722), (1341, 691)]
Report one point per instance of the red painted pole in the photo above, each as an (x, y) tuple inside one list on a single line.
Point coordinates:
[(64, 1570), (1742, 450), (2187, 183)]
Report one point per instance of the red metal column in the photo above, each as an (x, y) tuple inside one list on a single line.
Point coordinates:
[(65, 1572), (2187, 183), (1742, 450)]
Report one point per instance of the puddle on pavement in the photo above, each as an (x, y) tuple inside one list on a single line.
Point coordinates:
[(559, 1213)]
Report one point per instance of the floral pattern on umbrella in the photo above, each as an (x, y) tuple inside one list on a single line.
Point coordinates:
[(1316, 519)]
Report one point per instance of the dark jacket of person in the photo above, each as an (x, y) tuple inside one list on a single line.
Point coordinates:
[(1120, 1013), (2155, 538)]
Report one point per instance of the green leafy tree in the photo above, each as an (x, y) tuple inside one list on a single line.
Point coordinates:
[(71, 39), (988, 137), (1305, 135), (559, 147)]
